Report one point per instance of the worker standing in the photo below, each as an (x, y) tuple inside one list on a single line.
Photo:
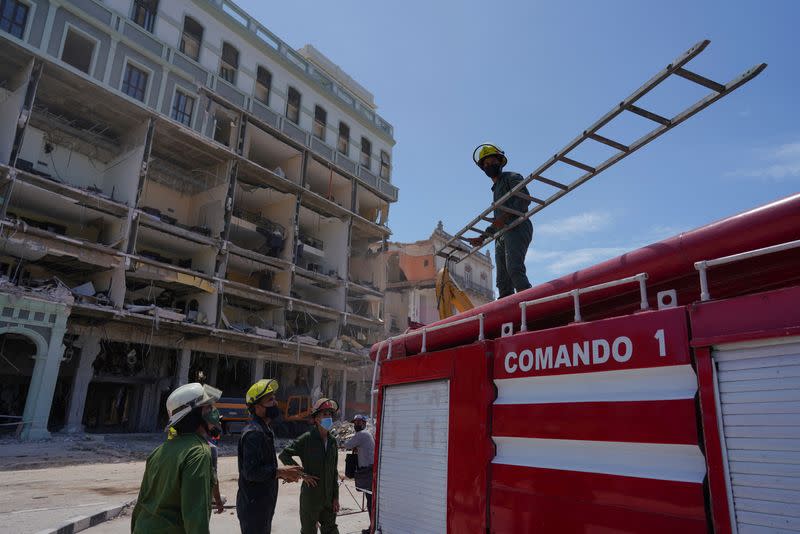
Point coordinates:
[(175, 495), (258, 465), (317, 450), (511, 247), (363, 444)]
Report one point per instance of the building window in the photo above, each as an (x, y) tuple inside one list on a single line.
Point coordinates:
[(78, 50), (468, 273), (386, 165), (344, 139), (293, 105), (229, 64), (192, 38), (366, 150), (134, 83), (13, 17), (320, 121), (144, 13), (263, 85), (182, 108)]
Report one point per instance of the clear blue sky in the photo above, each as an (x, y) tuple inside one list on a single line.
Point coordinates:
[(530, 75)]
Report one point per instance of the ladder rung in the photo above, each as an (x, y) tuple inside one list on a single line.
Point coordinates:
[(530, 198), (701, 80), (648, 114), (609, 142), (551, 182), (577, 164), (509, 210), (477, 231)]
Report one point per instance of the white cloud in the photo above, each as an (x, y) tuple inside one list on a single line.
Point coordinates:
[(582, 223), (566, 261), (780, 163)]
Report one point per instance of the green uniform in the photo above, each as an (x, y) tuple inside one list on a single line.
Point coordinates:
[(319, 459), (175, 496)]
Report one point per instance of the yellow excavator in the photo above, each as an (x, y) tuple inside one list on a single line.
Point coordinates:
[(449, 295)]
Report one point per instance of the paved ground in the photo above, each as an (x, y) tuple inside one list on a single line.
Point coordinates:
[(47, 483), (286, 515)]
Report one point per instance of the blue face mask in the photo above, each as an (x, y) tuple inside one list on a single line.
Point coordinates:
[(326, 423)]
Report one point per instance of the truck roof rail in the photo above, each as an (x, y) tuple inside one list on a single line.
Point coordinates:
[(703, 266)]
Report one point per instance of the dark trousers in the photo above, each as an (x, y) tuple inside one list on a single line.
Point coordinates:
[(255, 517), (509, 257), (312, 513)]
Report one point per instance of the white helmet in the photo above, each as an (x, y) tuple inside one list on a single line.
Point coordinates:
[(187, 397)]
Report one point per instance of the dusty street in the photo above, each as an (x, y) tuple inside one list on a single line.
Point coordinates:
[(46, 484)]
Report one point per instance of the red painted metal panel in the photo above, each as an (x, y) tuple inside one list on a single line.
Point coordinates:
[(669, 264), (548, 500), (469, 449), (768, 314), (670, 421), (586, 498), (636, 339), (720, 511)]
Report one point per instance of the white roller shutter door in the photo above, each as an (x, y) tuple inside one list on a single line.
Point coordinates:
[(412, 473), (759, 393)]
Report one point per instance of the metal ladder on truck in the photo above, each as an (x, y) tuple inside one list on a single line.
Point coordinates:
[(458, 247)]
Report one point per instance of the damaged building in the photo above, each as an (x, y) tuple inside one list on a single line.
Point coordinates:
[(411, 280), (184, 197)]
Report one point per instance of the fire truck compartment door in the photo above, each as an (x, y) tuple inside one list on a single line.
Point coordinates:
[(759, 395), (412, 474)]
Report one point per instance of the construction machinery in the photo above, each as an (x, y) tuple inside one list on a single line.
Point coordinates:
[(449, 294), (295, 414), (656, 392)]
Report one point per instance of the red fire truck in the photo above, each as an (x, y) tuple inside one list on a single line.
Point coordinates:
[(655, 392)]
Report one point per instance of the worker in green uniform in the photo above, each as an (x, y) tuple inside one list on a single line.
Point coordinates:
[(175, 495), (511, 247), (318, 452)]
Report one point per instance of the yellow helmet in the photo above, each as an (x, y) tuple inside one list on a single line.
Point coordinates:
[(263, 387), (485, 150)]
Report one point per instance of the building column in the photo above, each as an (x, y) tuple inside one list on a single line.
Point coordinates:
[(212, 372), (316, 385), (90, 348), (43, 385), (256, 370), (343, 404), (182, 375)]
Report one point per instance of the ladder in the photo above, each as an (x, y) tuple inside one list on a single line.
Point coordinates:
[(458, 248)]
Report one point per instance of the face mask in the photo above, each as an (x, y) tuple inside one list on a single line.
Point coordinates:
[(326, 423), (493, 170), (273, 412)]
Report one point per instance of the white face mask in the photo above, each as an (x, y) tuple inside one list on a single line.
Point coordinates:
[(326, 423)]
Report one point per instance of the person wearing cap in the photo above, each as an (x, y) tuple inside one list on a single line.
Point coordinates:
[(511, 247), (318, 452), (258, 466), (363, 444), (175, 494)]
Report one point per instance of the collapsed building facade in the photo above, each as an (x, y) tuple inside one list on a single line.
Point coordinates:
[(411, 280), (184, 197)]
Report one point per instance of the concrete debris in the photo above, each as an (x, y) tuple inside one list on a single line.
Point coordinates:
[(263, 332), (344, 430), (84, 290), (156, 311), (306, 340), (51, 289)]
